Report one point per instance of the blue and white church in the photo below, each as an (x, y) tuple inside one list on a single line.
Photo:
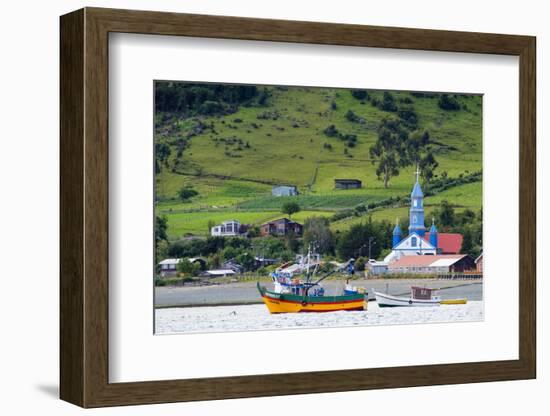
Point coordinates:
[(416, 242)]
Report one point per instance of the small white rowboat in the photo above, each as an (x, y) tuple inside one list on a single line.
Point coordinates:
[(419, 297)]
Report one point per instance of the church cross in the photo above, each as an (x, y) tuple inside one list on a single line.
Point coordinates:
[(417, 173)]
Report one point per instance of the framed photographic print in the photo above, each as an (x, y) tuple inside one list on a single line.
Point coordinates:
[(256, 207)]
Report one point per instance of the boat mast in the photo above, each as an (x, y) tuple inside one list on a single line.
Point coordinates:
[(307, 262)]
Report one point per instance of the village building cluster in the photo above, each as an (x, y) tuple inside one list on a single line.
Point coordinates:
[(424, 252), (421, 251)]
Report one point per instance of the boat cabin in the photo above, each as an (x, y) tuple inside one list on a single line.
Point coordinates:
[(423, 293)]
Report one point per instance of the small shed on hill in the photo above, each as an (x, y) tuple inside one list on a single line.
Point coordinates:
[(347, 183), (284, 190)]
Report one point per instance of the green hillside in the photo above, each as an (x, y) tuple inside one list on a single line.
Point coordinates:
[(234, 156)]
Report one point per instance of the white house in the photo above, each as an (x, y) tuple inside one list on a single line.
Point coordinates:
[(168, 267), (227, 229), (375, 268)]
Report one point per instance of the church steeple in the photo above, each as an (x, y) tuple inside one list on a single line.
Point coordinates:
[(416, 215), (397, 234)]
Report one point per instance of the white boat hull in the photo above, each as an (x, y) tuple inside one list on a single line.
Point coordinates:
[(384, 300)]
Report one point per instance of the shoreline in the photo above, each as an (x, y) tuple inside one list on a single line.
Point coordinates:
[(246, 293)]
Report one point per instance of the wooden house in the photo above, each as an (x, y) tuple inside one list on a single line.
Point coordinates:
[(282, 226)]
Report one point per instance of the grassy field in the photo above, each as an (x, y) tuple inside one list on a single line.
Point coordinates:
[(234, 163)]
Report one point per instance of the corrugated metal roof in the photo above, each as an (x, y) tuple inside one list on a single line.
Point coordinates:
[(220, 272), (170, 261), (444, 262)]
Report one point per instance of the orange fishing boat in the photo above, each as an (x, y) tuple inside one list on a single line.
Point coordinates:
[(291, 295)]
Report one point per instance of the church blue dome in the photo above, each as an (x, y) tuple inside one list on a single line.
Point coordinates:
[(397, 230), (433, 228), (397, 234)]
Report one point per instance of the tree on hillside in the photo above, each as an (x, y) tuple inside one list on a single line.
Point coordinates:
[(188, 268), (161, 251), (209, 225), (388, 102), (246, 260), (360, 94), (292, 244), (427, 166), (354, 242), (448, 102), (390, 150), (162, 153), (360, 264), (445, 214), (290, 208), (186, 193), (419, 153), (161, 225), (317, 230), (191, 99), (254, 231), (467, 242), (397, 148)]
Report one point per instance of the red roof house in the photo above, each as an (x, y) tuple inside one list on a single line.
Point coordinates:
[(447, 243)]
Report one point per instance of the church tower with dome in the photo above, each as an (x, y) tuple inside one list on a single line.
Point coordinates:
[(418, 242)]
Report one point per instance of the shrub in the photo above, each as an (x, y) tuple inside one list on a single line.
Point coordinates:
[(360, 264), (350, 140), (409, 117), (388, 103), (354, 118), (331, 131), (449, 103), (340, 215), (186, 193), (360, 94), (188, 268)]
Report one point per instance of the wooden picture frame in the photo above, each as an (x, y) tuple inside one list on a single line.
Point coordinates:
[(84, 207)]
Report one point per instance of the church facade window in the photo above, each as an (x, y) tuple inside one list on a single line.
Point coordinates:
[(413, 242)]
